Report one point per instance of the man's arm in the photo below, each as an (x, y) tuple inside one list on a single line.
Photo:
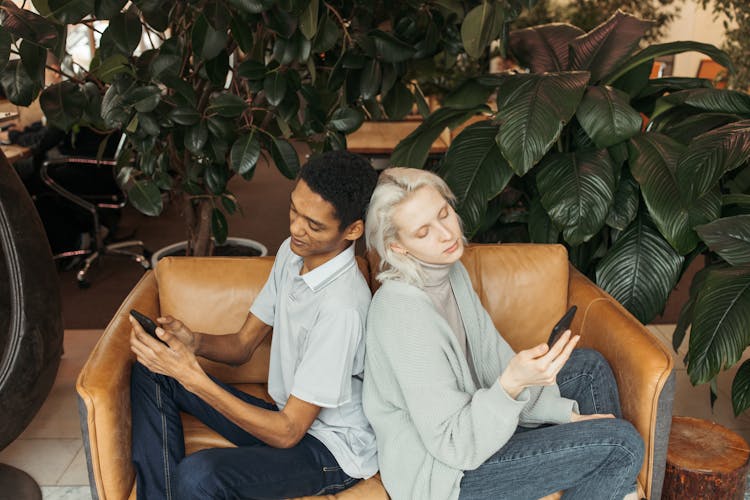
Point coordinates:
[(280, 429), (232, 348)]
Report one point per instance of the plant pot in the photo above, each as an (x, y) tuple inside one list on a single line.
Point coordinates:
[(237, 247)]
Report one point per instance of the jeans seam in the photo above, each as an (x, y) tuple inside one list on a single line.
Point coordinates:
[(512, 459), (594, 397), (165, 452)]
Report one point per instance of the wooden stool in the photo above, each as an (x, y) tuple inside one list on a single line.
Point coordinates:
[(704, 461)]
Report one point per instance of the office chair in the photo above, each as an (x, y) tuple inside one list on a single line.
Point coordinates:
[(90, 184)]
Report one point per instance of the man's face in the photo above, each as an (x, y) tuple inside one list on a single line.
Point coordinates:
[(314, 227)]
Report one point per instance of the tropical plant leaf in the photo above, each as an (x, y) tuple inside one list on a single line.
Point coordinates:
[(216, 177), (603, 48), (741, 389), (244, 154), (63, 104), (659, 86), (686, 126), (625, 205), (346, 120), (196, 137), (285, 157), (413, 150), (28, 25), (390, 48), (720, 332), (468, 95), (219, 226), (143, 99), (541, 228), (640, 270), (227, 105), (370, 79), (398, 102), (688, 309), (475, 171), (123, 33), (308, 23), (544, 48), (107, 9), (729, 237), (532, 110), (711, 155), (208, 42), (607, 117), (666, 49), (19, 87), (70, 11), (577, 191), (653, 163), (145, 196), (707, 99), (275, 85), (479, 28)]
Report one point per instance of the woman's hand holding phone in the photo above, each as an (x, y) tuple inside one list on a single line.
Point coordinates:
[(538, 365)]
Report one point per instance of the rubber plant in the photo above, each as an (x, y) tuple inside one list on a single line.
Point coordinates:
[(203, 88), (636, 176)]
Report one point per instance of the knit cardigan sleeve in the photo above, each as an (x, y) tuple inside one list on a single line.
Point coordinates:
[(457, 427)]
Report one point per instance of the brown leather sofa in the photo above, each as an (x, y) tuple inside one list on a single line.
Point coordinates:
[(526, 288)]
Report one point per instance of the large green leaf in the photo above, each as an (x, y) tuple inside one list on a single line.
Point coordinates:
[(253, 6), (196, 137), (390, 48), (107, 9), (532, 110), (274, 85), (145, 196), (123, 33), (245, 153), (577, 191), (372, 76), (20, 89), (653, 163), (540, 226), (640, 270), (685, 126), (27, 25), (285, 157), (707, 99), (70, 11), (227, 105), (346, 120), (308, 23), (688, 308), (398, 102), (413, 150), (607, 117), (468, 94), (741, 389), (544, 48), (208, 42), (479, 27), (710, 156), (34, 59), (106, 70), (602, 49), (666, 49), (729, 237), (625, 205), (63, 104), (143, 99), (721, 323), (475, 171)]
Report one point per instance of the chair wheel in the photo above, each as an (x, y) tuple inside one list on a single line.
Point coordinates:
[(84, 284)]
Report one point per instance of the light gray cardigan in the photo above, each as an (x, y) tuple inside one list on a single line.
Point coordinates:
[(430, 420)]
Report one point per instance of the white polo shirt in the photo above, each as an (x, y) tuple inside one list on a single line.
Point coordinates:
[(318, 350)]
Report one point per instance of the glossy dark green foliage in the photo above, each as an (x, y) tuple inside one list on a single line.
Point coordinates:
[(637, 177)]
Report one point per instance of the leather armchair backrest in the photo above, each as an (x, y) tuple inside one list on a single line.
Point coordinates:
[(524, 287), (213, 295)]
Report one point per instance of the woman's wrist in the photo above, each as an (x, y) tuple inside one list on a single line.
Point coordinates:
[(511, 387)]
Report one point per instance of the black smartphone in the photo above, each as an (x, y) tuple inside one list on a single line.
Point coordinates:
[(562, 325), (149, 325)]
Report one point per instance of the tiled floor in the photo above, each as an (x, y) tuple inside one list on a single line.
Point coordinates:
[(51, 450)]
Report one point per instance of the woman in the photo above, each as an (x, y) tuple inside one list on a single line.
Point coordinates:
[(456, 413)]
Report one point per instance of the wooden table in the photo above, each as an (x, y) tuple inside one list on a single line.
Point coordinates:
[(14, 152), (379, 138)]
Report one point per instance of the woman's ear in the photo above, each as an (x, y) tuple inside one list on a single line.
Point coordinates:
[(398, 248)]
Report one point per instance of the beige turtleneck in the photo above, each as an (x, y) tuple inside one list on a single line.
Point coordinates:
[(437, 285)]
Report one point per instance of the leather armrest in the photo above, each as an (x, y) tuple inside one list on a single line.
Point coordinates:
[(640, 362), (103, 387)]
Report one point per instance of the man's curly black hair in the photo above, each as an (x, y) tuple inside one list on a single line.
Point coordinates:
[(345, 180)]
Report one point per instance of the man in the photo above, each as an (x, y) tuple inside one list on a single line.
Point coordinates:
[(315, 438)]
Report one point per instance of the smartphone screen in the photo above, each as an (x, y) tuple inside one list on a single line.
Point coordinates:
[(149, 326), (562, 325)]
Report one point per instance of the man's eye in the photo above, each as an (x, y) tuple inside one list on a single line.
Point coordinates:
[(315, 229)]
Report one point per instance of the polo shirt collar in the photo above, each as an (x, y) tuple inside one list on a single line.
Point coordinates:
[(325, 273)]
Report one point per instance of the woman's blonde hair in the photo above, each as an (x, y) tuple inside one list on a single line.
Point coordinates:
[(394, 186)]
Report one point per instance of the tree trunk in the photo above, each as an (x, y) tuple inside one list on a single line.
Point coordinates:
[(198, 220)]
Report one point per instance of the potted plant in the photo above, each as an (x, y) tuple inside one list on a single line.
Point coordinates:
[(636, 176), (202, 88)]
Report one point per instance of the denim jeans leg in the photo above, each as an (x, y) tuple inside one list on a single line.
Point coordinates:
[(157, 442), (591, 459), (587, 378), (261, 472)]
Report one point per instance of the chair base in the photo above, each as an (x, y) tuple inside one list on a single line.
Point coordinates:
[(122, 249)]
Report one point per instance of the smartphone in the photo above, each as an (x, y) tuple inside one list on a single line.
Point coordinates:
[(147, 323), (562, 325)]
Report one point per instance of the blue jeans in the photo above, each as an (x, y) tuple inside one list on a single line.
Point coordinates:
[(593, 459), (253, 470)]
